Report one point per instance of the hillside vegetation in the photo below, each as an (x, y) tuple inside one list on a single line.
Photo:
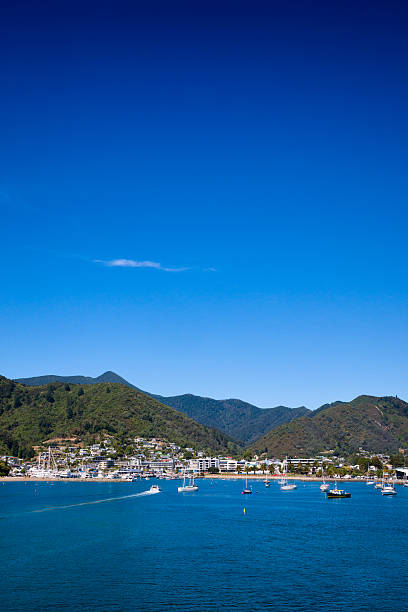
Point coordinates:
[(238, 419), (30, 415), (378, 424)]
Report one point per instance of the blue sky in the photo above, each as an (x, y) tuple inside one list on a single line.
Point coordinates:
[(207, 197)]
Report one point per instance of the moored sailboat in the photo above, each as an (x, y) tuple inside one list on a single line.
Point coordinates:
[(325, 485), (287, 486), (187, 488), (247, 490)]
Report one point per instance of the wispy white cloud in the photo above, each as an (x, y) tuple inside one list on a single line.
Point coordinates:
[(131, 263)]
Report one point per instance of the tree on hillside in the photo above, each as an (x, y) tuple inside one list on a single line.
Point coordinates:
[(4, 469), (397, 460)]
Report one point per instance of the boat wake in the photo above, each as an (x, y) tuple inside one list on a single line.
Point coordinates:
[(96, 501)]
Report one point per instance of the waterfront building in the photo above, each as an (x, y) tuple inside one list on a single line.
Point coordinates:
[(203, 464), (227, 465)]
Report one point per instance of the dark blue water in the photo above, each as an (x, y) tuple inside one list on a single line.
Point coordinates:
[(289, 551)]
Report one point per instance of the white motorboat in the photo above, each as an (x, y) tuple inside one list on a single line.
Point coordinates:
[(155, 489)]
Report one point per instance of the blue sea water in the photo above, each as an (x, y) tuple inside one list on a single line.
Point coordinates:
[(199, 551)]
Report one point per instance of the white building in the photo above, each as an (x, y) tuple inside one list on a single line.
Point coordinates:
[(228, 465), (203, 464)]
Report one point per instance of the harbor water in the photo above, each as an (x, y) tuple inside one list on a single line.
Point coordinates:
[(104, 546)]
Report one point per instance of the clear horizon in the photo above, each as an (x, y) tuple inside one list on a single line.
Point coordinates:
[(207, 199)]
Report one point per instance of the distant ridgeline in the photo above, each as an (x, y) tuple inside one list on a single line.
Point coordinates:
[(378, 424), (107, 377), (30, 415)]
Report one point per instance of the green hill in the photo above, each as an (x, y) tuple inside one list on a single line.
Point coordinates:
[(108, 377), (30, 415), (378, 424), (238, 419)]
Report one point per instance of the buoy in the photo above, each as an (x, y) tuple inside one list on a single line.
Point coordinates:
[(244, 510)]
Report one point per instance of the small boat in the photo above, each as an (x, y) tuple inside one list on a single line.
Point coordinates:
[(369, 481), (325, 485), (247, 490), (187, 488), (337, 493), (289, 486), (154, 489), (388, 489), (378, 485), (267, 484), (285, 485), (405, 484)]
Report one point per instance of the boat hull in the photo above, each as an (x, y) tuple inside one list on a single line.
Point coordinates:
[(337, 495)]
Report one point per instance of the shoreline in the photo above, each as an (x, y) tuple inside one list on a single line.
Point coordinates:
[(255, 477)]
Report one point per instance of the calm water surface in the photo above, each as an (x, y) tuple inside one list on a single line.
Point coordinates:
[(289, 551)]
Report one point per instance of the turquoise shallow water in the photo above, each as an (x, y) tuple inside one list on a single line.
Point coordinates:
[(289, 551)]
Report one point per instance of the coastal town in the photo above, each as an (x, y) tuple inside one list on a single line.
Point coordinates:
[(144, 458)]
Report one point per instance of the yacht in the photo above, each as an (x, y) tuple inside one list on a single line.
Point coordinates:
[(388, 489), (285, 485), (46, 467), (325, 485), (247, 490), (187, 488), (369, 481), (337, 493)]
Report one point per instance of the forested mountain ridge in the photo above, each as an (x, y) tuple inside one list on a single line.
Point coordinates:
[(238, 419), (378, 424), (30, 415)]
